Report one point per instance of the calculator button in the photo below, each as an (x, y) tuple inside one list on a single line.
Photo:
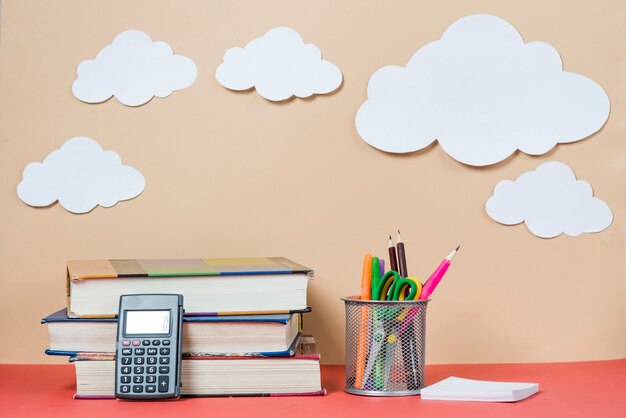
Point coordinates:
[(152, 360), (136, 342), (126, 360), (165, 351), (164, 383), (125, 379), (138, 379), (125, 370), (152, 351), (150, 379), (164, 369), (145, 342), (164, 360), (166, 342), (124, 388), (139, 360), (140, 351), (139, 369), (151, 370), (127, 351), (137, 388), (156, 342), (150, 388), (126, 343)]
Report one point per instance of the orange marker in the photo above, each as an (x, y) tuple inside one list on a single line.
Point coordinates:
[(366, 278), (361, 351)]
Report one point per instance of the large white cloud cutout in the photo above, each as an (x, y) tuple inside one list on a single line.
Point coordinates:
[(279, 65), (134, 70), (550, 201), (482, 93), (80, 175)]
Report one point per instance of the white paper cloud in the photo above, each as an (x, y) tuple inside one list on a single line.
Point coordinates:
[(482, 93), (551, 201), (134, 70), (279, 65), (80, 175)]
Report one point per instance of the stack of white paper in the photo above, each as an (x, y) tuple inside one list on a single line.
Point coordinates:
[(458, 389)]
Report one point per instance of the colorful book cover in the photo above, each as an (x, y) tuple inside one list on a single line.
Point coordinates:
[(94, 269)]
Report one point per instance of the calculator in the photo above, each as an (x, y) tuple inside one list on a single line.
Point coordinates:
[(148, 347)]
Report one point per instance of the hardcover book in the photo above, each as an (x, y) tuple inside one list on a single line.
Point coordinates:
[(219, 286), (257, 335), (298, 375)]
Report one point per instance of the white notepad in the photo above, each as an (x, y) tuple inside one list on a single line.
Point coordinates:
[(458, 389)]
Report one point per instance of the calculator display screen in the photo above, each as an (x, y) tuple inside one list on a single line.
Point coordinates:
[(147, 322)]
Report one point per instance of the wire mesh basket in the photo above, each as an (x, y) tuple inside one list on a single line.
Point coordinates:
[(385, 346)]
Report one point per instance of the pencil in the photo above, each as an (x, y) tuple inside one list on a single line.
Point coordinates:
[(393, 260), (401, 257), (406, 340), (429, 287), (435, 278)]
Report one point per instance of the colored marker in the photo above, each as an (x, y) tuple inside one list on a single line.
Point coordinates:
[(361, 350), (366, 278), (375, 273)]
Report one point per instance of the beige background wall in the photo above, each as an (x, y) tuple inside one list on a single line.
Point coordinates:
[(231, 174)]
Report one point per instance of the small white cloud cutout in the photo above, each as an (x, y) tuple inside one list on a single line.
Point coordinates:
[(279, 65), (483, 94), (550, 201), (80, 175), (134, 70)]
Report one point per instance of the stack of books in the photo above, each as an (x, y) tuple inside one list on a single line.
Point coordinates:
[(241, 330)]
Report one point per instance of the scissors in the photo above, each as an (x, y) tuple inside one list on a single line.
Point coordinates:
[(390, 287)]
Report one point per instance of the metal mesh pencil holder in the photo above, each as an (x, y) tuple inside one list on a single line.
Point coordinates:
[(385, 346)]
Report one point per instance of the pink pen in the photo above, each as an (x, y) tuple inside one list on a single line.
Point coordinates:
[(435, 278)]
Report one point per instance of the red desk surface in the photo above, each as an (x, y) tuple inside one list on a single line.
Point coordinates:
[(586, 389)]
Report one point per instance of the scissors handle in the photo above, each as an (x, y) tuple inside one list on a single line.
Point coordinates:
[(400, 287), (386, 286)]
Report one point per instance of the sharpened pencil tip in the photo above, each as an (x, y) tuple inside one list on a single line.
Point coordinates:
[(453, 253)]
